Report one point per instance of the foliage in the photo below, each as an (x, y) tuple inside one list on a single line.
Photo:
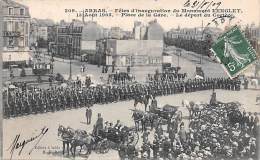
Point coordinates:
[(59, 77), (200, 47)]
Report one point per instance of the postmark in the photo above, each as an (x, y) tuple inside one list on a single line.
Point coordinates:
[(233, 51)]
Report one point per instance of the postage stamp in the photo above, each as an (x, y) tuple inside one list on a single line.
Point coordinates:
[(234, 51)]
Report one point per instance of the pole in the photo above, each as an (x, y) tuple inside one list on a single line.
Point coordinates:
[(201, 42), (70, 47), (178, 59), (70, 77)]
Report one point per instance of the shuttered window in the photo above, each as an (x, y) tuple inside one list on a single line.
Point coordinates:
[(16, 27), (5, 26)]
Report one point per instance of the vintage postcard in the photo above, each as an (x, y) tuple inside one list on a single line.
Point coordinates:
[(130, 80)]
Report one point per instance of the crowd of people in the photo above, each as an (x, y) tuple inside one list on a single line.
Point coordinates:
[(213, 134), (37, 100)]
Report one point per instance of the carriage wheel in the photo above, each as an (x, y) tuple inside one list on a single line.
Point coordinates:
[(104, 146), (133, 138)]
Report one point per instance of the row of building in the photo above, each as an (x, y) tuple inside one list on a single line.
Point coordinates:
[(106, 46), (89, 40), (21, 33), (197, 33)]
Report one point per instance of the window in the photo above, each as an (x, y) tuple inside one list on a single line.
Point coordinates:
[(10, 26), (11, 41), (22, 11), (21, 42), (10, 11), (21, 27)]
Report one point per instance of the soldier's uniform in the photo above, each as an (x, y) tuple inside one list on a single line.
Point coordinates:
[(155, 148), (99, 124), (146, 149), (122, 151), (166, 147)]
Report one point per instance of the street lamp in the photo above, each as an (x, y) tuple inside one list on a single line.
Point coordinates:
[(69, 48), (69, 44), (202, 45), (178, 54)]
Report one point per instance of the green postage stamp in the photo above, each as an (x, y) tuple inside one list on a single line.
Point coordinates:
[(234, 51)]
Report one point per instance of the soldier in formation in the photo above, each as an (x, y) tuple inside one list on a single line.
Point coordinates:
[(33, 100)]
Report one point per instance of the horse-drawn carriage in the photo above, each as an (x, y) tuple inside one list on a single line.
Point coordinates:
[(155, 116), (100, 143), (168, 112), (119, 135)]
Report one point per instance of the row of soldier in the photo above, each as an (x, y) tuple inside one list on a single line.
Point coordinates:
[(121, 78), (167, 76), (31, 101)]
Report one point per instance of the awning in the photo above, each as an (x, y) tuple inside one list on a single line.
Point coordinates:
[(16, 56)]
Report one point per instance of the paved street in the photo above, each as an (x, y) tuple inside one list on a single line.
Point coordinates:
[(50, 146), (187, 61), (75, 118)]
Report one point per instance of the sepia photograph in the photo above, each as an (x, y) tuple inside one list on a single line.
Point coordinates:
[(130, 80)]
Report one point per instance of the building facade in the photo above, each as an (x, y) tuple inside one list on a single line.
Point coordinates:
[(43, 32), (153, 31), (131, 52), (196, 33), (16, 32), (252, 32), (66, 40), (39, 32), (116, 33), (91, 32)]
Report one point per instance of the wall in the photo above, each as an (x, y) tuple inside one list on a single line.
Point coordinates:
[(88, 45), (139, 47), (136, 52)]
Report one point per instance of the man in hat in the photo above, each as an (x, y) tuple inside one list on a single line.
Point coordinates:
[(88, 114), (145, 136), (146, 150), (153, 104), (213, 99), (155, 147), (118, 125), (159, 131), (122, 151), (166, 147), (182, 134), (99, 124), (250, 121)]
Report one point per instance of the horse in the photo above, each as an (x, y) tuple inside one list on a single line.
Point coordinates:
[(143, 99), (66, 136), (197, 109), (193, 108), (137, 116), (80, 139), (189, 105)]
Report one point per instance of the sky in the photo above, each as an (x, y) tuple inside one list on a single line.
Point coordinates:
[(55, 10)]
